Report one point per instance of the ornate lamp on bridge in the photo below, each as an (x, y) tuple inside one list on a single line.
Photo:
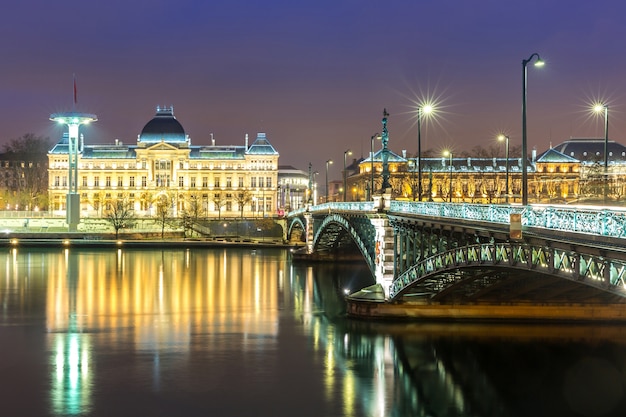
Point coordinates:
[(598, 108), (385, 154), (374, 136), (538, 63), (426, 109), (449, 154), (73, 120), (345, 174), (328, 162), (505, 138)]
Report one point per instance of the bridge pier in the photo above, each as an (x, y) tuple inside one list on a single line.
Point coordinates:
[(384, 262), (308, 230)]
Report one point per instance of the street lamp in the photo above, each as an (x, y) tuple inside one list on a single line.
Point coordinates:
[(345, 177), (426, 109), (505, 138), (538, 63), (376, 135), (601, 107), (449, 153), (328, 162)]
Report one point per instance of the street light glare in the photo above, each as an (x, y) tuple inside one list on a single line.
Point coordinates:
[(427, 108), (539, 62), (599, 107)]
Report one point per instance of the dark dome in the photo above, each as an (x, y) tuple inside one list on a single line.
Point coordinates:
[(163, 127)]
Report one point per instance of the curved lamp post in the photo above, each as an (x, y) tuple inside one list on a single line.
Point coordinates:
[(505, 138), (328, 162), (538, 63), (345, 175), (426, 109), (449, 154)]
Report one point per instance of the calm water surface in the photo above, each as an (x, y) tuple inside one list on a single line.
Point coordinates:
[(240, 332)]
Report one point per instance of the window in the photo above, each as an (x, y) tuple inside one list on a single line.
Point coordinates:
[(268, 181), (107, 180), (57, 181), (217, 181), (261, 182), (193, 182), (120, 181), (96, 181), (181, 181), (229, 182), (205, 182), (84, 180), (144, 181), (253, 182), (131, 181), (241, 182)]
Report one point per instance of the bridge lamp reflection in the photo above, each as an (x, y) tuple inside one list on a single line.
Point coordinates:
[(346, 291)]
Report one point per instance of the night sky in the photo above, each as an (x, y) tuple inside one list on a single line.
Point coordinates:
[(316, 75)]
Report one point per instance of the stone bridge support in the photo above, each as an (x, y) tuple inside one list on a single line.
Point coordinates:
[(384, 252), (308, 222)]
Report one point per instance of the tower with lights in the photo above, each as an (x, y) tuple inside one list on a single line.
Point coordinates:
[(73, 120)]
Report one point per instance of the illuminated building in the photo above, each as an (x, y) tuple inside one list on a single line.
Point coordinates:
[(163, 167), (570, 171)]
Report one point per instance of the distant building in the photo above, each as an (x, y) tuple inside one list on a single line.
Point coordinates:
[(570, 171), (293, 188), (23, 182), (163, 167)]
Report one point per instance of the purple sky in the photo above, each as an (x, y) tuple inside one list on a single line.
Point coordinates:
[(316, 75)]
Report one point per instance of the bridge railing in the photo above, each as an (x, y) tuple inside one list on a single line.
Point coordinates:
[(593, 220)]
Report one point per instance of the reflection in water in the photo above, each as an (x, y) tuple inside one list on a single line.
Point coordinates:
[(244, 332)]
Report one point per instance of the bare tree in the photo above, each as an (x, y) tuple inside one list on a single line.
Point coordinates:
[(163, 210), (120, 214), (242, 198), (220, 201)]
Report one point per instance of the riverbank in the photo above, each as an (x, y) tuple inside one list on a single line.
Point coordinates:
[(81, 241), (519, 312)]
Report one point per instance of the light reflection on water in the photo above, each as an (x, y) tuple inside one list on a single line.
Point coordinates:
[(243, 332)]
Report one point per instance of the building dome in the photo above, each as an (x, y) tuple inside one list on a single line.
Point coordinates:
[(163, 128)]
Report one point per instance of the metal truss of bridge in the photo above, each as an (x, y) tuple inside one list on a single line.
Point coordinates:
[(464, 253)]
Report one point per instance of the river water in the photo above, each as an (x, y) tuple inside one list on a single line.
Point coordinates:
[(242, 332)]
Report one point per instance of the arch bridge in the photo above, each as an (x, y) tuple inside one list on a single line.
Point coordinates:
[(473, 253)]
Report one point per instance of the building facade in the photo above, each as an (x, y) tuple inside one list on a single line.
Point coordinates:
[(164, 169), (573, 171)]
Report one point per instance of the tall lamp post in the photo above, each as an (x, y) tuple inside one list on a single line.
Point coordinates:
[(601, 107), (505, 138), (376, 135), (345, 176), (328, 162), (538, 63), (426, 109), (449, 154)]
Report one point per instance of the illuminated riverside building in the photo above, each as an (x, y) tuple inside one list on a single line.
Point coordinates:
[(294, 189), (571, 171), (163, 166)]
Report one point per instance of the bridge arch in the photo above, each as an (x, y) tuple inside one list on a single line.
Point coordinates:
[(491, 264), (327, 235), (295, 223)]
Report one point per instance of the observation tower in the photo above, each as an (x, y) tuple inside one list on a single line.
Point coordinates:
[(73, 120)]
